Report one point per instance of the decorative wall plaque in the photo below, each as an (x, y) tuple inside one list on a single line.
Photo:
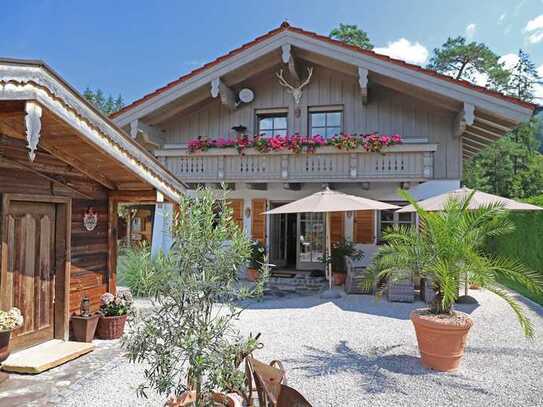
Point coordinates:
[(90, 219)]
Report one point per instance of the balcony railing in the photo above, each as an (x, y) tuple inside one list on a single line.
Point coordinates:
[(405, 162)]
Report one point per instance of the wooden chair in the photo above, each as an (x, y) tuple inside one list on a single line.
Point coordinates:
[(270, 385)]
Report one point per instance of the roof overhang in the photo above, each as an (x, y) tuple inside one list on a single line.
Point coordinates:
[(23, 80), (453, 93)]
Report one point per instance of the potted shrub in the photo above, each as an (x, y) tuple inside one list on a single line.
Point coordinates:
[(256, 260), (84, 324), (113, 314), (9, 321), (340, 250), (189, 342), (448, 248)]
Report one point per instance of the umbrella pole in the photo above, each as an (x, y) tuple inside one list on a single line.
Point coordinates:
[(328, 250)]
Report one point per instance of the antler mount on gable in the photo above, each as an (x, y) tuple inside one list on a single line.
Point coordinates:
[(295, 91)]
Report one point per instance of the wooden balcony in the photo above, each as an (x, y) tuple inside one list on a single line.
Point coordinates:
[(405, 162)]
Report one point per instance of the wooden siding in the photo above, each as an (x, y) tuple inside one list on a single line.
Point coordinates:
[(89, 250), (364, 227), (387, 112)]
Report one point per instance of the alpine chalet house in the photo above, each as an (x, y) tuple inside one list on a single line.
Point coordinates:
[(310, 100)]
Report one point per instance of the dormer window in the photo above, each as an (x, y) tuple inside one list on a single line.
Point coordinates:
[(272, 123), (326, 122)]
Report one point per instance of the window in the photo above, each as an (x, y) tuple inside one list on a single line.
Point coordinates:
[(327, 124), (272, 124), (390, 218)]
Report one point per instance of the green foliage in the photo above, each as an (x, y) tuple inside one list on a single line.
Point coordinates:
[(189, 342), (451, 246), (140, 272), (524, 77), (106, 105), (525, 243), (352, 35), (258, 254), (510, 167), (339, 251), (469, 61)]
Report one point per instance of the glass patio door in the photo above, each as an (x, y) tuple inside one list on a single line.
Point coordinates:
[(278, 240), (311, 241)]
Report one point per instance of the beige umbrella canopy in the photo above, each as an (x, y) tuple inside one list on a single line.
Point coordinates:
[(479, 199), (327, 201)]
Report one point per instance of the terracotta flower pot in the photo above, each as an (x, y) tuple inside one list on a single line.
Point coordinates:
[(5, 337), (220, 400), (252, 274), (339, 278), (83, 328), (111, 327), (441, 340)]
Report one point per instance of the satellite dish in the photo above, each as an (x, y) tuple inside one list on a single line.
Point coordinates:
[(246, 95)]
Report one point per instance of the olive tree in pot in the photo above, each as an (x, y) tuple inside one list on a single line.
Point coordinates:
[(189, 342), (448, 247)]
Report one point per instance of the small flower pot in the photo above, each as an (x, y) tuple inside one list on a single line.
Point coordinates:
[(111, 327), (441, 340), (5, 337), (83, 328), (252, 274), (339, 278)]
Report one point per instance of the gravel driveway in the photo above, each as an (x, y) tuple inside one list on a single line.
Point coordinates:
[(356, 352)]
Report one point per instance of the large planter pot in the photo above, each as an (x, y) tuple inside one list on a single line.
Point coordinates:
[(5, 337), (111, 327), (441, 340), (252, 274), (220, 400), (339, 278), (83, 328)]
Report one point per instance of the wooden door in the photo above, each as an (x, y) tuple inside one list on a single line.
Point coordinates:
[(29, 277)]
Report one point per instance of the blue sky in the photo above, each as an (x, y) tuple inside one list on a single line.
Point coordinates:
[(133, 47)]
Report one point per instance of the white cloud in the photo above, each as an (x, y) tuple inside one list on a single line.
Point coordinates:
[(405, 50), (534, 29), (470, 31), (501, 18), (509, 60)]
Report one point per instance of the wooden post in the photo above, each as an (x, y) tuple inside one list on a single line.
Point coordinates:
[(112, 245)]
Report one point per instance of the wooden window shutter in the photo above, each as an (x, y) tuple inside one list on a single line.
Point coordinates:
[(258, 225), (337, 226), (364, 224), (237, 211)]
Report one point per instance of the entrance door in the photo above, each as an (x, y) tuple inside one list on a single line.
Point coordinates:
[(278, 240), (30, 280), (311, 241)]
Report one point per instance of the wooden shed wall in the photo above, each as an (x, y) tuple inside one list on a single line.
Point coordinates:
[(89, 250)]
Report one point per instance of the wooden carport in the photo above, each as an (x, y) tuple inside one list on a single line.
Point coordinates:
[(62, 162)]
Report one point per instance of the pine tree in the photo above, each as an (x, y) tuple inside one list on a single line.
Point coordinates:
[(352, 35), (106, 105), (469, 61), (524, 77)]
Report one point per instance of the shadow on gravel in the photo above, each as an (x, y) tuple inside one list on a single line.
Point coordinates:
[(374, 368)]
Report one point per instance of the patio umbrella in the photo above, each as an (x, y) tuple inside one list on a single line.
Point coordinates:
[(327, 201), (478, 200)]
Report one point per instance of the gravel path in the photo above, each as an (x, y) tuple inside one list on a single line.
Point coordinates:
[(356, 352)]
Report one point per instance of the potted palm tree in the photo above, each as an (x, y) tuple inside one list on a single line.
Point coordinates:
[(447, 248)]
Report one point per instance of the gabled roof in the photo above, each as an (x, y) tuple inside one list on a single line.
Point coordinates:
[(286, 27), (35, 80)]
